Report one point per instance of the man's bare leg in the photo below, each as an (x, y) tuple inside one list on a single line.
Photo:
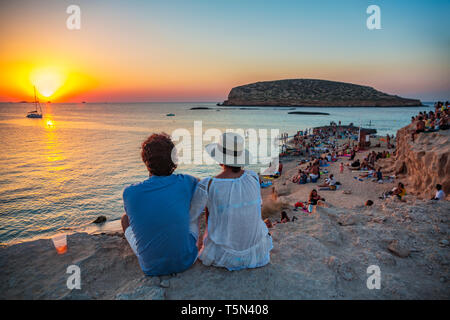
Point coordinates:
[(125, 222)]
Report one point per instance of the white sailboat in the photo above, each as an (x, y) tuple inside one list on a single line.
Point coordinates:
[(35, 113)]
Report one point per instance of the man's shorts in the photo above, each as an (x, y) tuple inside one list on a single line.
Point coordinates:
[(129, 235)]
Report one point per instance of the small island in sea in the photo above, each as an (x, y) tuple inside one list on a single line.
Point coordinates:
[(200, 108), (313, 93)]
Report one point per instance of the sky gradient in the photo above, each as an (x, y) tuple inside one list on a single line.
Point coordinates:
[(136, 51)]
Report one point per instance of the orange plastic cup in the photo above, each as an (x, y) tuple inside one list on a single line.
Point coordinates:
[(60, 243)]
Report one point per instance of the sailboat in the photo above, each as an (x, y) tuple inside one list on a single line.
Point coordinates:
[(35, 113)]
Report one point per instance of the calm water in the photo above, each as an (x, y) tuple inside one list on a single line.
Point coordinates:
[(71, 166)]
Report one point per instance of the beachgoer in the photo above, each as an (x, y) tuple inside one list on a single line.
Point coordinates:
[(400, 191), (315, 172), (329, 182), (156, 222), (236, 236), (356, 164), (379, 175), (280, 168), (440, 195), (368, 203), (284, 217), (274, 194), (341, 168), (314, 197), (268, 223)]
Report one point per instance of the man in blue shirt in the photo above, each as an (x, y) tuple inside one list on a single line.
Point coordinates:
[(156, 223)]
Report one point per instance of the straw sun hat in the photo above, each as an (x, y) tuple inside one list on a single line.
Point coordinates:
[(229, 150)]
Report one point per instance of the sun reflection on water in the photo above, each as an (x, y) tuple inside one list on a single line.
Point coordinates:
[(49, 124)]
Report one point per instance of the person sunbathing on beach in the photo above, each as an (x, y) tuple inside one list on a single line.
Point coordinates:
[(314, 197), (296, 178), (440, 195), (356, 165), (284, 217), (236, 237), (364, 165), (301, 177), (379, 175), (329, 183), (314, 172), (156, 219), (370, 172), (400, 191)]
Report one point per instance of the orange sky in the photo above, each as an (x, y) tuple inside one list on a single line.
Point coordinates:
[(150, 51)]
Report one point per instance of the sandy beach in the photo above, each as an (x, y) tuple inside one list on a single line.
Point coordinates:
[(360, 191)]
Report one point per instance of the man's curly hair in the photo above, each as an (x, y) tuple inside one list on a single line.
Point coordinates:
[(157, 154)]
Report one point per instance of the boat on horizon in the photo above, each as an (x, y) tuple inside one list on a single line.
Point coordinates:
[(35, 114)]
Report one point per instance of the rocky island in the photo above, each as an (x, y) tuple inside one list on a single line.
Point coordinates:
[(313, 93)]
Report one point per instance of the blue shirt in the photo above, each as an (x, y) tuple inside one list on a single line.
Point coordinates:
[(158, 211)]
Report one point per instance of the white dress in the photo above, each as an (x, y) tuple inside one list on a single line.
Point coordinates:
[(237, 237)]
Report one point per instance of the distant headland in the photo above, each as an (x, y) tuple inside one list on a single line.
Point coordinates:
[(313, 93)]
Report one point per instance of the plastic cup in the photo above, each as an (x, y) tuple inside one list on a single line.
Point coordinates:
[(60, 243)]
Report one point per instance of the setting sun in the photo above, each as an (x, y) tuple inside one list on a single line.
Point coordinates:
[(47, 80)]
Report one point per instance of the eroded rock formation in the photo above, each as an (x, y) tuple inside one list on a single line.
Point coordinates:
[(423, 163)]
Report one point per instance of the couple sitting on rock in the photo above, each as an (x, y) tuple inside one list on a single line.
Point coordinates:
[(162, 212)]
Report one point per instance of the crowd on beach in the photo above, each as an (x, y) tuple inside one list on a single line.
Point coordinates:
[(431, 121), (323, 146), (317, 149)]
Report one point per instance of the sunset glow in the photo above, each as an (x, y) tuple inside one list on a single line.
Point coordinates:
[(47, 80), (150, 51)]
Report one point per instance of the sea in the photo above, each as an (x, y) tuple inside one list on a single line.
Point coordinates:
[(66, 169)]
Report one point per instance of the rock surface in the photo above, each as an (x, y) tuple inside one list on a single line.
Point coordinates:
[(324, 255), (99, 219), (311, 92), (423, 163)]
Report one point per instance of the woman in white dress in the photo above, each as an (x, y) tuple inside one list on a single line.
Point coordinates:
[(236, 237)]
